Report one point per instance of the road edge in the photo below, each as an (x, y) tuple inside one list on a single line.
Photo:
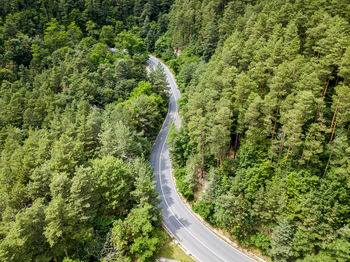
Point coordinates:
[(197, 216)]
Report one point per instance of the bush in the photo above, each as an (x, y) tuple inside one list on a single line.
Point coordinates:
[(262, 241), (205, 210), (183, 187)]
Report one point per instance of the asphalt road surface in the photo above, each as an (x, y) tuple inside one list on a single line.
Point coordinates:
[(186, 228)]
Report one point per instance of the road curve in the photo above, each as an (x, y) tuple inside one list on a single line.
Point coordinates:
[(202, 243)]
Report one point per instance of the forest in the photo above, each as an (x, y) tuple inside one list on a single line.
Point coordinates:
[(264, 147), (76, 128), (263, 151)]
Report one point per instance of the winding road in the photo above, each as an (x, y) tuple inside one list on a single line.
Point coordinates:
[(196, 238)]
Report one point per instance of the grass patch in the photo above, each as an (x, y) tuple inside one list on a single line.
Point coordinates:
[(171, 250)]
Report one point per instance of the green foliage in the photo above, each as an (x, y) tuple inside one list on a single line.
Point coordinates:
[(183, 186), (180, 149), (265, 100), (205, 210), (118, 140), (75, 123), (264, 112), (281, 246), (262, 241), (107, 35), (113, 178), (139, 233), (129, 42)]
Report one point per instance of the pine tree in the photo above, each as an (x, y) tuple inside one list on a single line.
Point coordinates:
[(281, 244)]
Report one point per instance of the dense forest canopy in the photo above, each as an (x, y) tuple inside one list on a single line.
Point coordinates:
[(264, 147), (264, 150), (76, 127)]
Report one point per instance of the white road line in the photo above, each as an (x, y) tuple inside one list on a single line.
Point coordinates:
[(161, 187), (172, 86)]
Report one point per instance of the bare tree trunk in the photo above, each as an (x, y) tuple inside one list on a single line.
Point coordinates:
[(335, 112), (275, 124), (65, 249), (302, 156), (202, 152), (325, 90), (235, 147), (274, 127), (335, 124), (281, 148), (336, 81), (285, 162), (329, 160)]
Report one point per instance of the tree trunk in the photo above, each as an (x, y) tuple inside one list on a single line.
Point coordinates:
[(285, 162), (281, 148), (335, 124), (329, 159), (65, 249), (335, 112), (325, 90), (202, 152), (302, 156), (235, 147), (278, 109), (274, 126), (336, 81)]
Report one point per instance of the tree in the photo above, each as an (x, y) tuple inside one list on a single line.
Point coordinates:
[(253, 119), (197, 125), (114, 183), (144, 184), (129, 42), (66, 154), (341, 108), (281, 242), (145, 114), (210, 40), (313, 145), (231, 212), (74, 33), (55, 35), (119, 141), (59, 226), (24, 240), (83, 195), (159, 82), (18, 50), (180, 149), (107, 35), (295, 117), (344, 68), (91, 28), (219, 134), (139, 233)]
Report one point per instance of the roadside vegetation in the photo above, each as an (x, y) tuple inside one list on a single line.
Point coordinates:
[(264, 147), (172, 251)]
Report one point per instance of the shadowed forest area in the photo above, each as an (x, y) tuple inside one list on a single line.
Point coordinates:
[(264, 147)]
